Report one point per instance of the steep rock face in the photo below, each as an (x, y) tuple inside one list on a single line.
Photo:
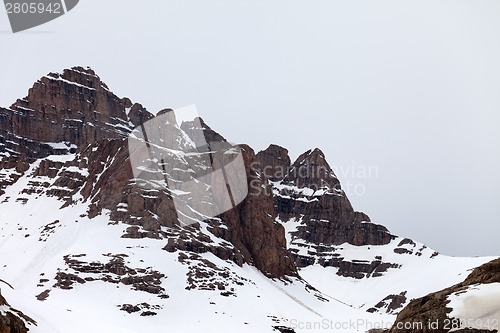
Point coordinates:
[(250, 229), (310, 200), (275, 162), (433, 308), (65, 111), (253, 225)]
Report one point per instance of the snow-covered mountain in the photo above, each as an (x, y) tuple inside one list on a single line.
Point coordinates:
[(87, 247)]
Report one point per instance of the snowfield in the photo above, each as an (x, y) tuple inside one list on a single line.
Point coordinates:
[(39, 239), (477, 307)]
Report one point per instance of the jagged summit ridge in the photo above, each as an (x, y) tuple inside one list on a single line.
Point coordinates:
[(64, 111)]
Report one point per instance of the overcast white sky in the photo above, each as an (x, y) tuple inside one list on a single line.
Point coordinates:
[(408, 88)]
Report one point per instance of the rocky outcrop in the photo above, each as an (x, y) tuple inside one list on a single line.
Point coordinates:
[(65, 111), (433, 307), (253, 225), (391, 303), (275, 162), (309, 193), (115, 271), (12, 320)]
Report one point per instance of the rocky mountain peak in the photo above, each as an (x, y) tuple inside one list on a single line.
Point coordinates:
[(137, 113), (313, 171), (275, 162), (84, 76), (63, 111), (198, 125), (315, 210)]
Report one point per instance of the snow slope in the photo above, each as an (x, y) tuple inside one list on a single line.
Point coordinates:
[(416, 276), (32, 255), (40, 240), (477, 307)]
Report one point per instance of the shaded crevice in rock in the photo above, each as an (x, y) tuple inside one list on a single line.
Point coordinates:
[(252, 225)]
